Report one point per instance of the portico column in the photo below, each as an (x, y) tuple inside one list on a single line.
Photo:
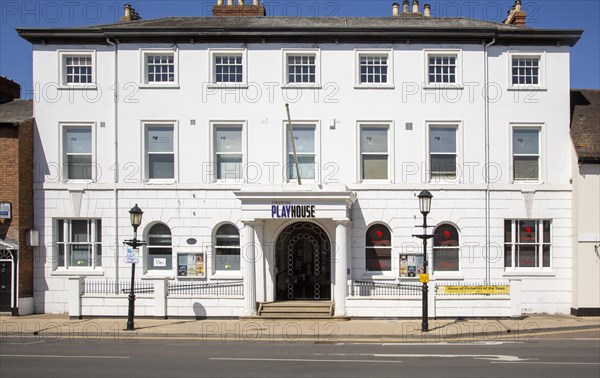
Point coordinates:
[(341, 266), (248, 269), (259, 254)]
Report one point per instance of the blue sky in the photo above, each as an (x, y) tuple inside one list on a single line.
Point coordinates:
[(15, 53)]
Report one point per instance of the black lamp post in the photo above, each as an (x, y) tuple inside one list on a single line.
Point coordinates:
[(135, 215), (424, 206)]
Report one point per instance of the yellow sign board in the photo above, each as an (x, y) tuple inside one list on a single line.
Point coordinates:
[(462, 290), (424, 278)]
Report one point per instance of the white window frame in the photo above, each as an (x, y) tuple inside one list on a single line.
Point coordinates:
[(380, 274), (541, 153), (62, 74), (63, 126), (447, 273), (93, 225), (389, 125), (224, 274), (541, 55), (459, 152), (146, 253), (301, 52), (458, 54), (146, 124), (213, 150), (302, 124), (539, 242), (143, 68), (358, 53), (212, 53)]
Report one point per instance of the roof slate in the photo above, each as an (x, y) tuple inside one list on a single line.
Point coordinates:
[(16, 112), (585, 123)]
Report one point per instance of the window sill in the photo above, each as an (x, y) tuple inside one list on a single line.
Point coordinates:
[(373, 86), (378, 276), (455, 86), (152, 274), (161, 182), (226, 276), (529, 273), (227, 86), (375, 181), (301, 86), (448, 276), (528, 182), (81, 87), (156, 86), (529, 87), (65, 272), (444, 180)]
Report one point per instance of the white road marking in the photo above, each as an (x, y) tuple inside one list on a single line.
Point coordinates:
[(298, 360), (475, 343), (57, 356), (491, 357), (545, 363)]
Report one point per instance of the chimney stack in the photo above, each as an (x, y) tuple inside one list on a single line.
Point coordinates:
[(395, 9), (130, 14), (516, 15), (405, 6), (415, 6), (427, 10), (239, 10)]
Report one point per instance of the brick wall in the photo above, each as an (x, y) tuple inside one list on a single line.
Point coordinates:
[(16, 187)]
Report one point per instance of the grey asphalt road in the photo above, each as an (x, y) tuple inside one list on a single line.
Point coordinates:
[(121, 356)]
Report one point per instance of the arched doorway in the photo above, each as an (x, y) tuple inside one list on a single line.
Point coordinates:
[(303, 259)]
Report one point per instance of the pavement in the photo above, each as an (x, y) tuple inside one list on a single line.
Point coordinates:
[(47, 326)]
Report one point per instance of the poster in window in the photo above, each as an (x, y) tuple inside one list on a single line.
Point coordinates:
[(411, 265), (190, 265)]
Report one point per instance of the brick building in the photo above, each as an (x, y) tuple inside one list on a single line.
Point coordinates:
[(16, 200)]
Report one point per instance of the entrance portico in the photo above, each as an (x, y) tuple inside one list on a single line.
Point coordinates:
[(295, 244)]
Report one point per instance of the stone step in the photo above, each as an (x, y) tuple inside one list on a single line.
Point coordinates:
[(296, 310), (324, 310)]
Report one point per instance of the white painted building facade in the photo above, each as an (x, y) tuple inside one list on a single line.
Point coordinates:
[(198, 157)]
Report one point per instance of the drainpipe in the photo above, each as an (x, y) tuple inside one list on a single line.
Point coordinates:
[(116, 157), (487, 161)]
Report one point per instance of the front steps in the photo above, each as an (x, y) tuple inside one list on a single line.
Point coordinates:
[(296, 310)]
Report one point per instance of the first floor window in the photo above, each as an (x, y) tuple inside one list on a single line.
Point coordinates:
[(79, 243), (525, 70), (527, 243), (77, 156), (305, 144), (373, 69), (443, 152), (160, 154), (159, 248), (442, 69), (77, 69), (526, 154), (228, 68), (228, 152), (160, 68), (227, 248), (301, 68), (374, 152), (378, 248), (445, 249)]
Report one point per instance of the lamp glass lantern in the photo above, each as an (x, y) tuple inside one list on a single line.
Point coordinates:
[(135, 215), (425, 202)]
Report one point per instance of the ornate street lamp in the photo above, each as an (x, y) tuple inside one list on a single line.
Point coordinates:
[(135, 215), (424, 206)]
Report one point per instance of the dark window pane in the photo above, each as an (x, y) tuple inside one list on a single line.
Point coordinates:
[(507, 256), (546, 256), (507, 231), (378, 259), (445, 259), (527, 256), (378, 235)]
